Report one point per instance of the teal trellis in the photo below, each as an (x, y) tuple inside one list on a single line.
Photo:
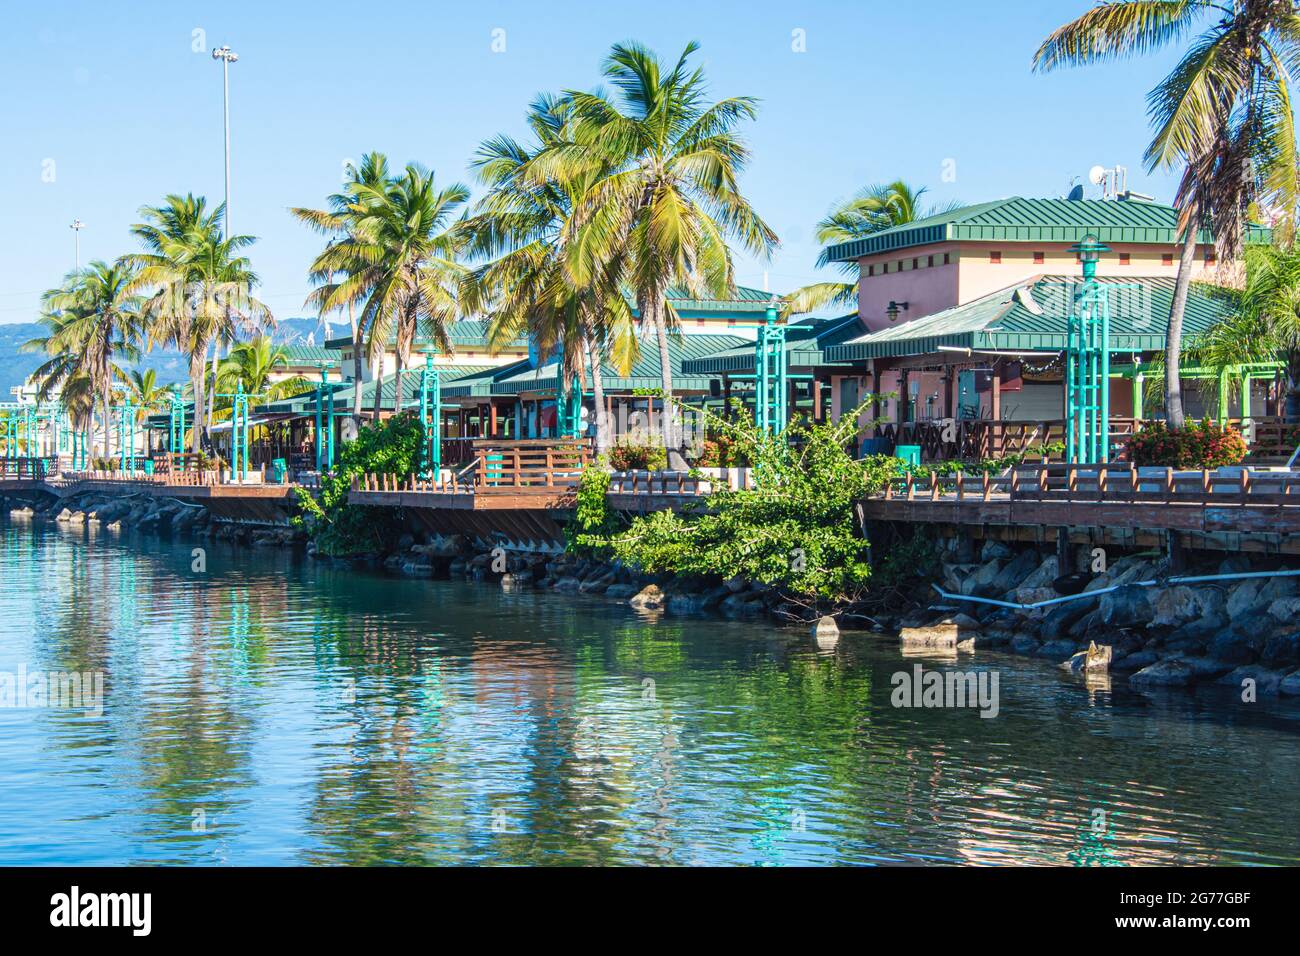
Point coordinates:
[(239, 467), (431, 418), (772, 379), (324, 420), (1087, 363), (569, 411), (126, 430), (176, 428)]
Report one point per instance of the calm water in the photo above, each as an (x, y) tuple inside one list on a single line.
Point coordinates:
[(271, 711)]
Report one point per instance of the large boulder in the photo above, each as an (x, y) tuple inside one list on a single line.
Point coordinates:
[(1130, 606), (1245, 598), (1281, 649), (1061, 617), (1047, 572), (621, 591), (994, 551), (1232, 647), (1057, 651), (1167, 673), (1015, 571), (1135, 661), (1285, 610), (1290, 685), (1266, 682), (1171, 607)]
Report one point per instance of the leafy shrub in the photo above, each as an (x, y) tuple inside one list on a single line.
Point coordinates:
[(593, 520), (630, 456), (1198, 445), (795, 530), (389, 447)]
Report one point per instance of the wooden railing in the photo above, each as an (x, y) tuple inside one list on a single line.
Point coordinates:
[(1115, 483), (677, 483), (497, 467), (27, 467)]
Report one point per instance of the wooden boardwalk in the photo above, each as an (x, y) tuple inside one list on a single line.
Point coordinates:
[(1206, 505)]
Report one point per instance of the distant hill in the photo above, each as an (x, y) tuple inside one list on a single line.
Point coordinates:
[(15, 366)]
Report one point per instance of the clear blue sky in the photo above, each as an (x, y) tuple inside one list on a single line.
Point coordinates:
[(115, 97)]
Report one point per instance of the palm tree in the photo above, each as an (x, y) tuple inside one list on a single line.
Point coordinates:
[(874, 209), (527, 287), (400, 263), (202, 286), (337, 221), (255, 364), (1224, 113), (663, 191), (92, 319), (1265, 327), (144, 391)]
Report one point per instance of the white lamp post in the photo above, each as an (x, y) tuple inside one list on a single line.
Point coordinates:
[(76, 227), (227, 56)]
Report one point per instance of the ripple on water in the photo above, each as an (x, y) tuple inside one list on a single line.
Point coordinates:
[(276, 711)]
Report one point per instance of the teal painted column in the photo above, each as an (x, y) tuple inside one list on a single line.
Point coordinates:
[(771, 381), (431, 418), (1087, 363)]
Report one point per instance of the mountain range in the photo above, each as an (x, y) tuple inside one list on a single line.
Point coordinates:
[(16, 365)]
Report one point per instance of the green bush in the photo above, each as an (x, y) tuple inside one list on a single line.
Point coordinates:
[(795, 530), (1197, 445), (390, 447)]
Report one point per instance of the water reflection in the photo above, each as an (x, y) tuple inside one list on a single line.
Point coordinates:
[(276, 711)]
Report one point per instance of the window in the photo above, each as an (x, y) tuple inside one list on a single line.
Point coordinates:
[(947, 259), (1210, 257), (885, 267), (1039, 258), (930, 262), (995, 258), (1167, 259), (871, 270), (1125, 259), (916, 263)]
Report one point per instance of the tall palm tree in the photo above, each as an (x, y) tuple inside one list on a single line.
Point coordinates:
[(255, 365), (527, 286), (664, 192), (399, 261), (1223, 113), (202, 286), (874, 209), (338, 220), (92, 319)]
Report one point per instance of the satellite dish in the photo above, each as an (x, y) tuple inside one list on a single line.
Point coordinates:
[(1097, 175), (1075, 194)]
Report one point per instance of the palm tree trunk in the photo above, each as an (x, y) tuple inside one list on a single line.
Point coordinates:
[(358, 368), (652, 308), (379, 386), (1174, 331), (198, 370), (598, 392), (106, 398), (397, 395)]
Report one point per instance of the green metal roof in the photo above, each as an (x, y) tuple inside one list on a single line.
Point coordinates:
[(311, 354), (1033, 317), (804, 345), (645, 373), (343, 392), (463, 334), (1034, 220), (479, 384)]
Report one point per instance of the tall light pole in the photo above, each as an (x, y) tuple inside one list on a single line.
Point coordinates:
[(227, 56), (76, 227)]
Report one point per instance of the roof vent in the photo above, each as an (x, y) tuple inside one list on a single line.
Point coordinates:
[(1025, 296)]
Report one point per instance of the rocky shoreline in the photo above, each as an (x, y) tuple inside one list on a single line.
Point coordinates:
[(148, 514), (1162, 634)]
